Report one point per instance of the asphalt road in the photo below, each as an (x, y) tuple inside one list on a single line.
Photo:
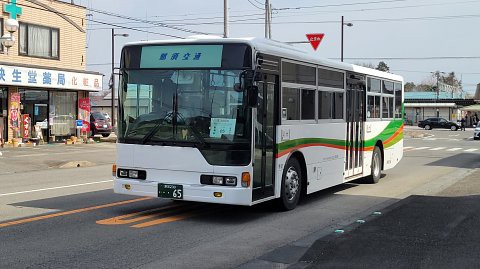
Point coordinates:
[(70, 218)]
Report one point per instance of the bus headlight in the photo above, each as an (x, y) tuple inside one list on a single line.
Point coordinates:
[(217, 180), (122, 173), (231, 181), (133, 174)]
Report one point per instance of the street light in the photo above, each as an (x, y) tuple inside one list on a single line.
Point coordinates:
[(113, 74), (349, 24)]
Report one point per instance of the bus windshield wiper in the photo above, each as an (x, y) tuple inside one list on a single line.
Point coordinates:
[(149, 135), (197, 135), (195, 131)]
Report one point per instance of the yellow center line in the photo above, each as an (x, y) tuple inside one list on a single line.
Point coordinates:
[(168, 219), (188, 214), (147, 214), (80, 210)]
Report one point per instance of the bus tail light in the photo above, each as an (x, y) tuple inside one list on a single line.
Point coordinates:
[(246, 179), (114, 170)]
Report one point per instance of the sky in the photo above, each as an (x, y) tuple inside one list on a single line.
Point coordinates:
[(414, 37)]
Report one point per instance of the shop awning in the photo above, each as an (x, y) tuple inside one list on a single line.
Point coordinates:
[(49, 78), (471, 108), (430, 105)]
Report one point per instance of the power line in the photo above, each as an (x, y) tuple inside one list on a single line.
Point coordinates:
[(466, 16), (414, 58), (339, 5), (371, 9), (192, 19), (88, 19), (192, 24), (255, 5), (428, 72), (145, 21)]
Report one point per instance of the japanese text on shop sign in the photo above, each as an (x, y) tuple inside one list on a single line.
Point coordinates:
[(21, 76)]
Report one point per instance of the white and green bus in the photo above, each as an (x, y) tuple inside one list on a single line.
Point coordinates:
[(246, 120)]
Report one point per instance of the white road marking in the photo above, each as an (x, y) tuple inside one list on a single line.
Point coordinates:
[(439, 148), (470, 150), (28, 155), (420, 148), (407, 147), (454, 149), (55, 188)]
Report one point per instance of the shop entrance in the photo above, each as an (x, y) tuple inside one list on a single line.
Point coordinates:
[(35, 104)]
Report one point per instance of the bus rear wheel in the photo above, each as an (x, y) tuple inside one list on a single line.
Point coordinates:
[(376, 166), (291, 185)]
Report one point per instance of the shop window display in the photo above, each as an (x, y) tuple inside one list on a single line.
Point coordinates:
[(63, 113)]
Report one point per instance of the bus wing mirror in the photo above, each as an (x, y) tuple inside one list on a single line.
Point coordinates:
[(252, 96)]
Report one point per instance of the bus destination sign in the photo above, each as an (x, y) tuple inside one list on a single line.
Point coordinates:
[(181, 56)]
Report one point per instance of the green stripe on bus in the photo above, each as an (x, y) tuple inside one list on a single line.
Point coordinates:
[(386, 134)]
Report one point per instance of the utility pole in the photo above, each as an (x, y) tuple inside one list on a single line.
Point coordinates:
[(112, 117), (437, 75), (225, 18), (270, 21), (341, 41), (267, 4)]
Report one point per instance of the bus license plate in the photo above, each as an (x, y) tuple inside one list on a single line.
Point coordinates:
[(170, 191)]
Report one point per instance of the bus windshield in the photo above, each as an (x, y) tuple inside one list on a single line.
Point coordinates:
[(194, 108)]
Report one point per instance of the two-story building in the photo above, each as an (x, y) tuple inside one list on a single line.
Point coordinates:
[(44, 86)]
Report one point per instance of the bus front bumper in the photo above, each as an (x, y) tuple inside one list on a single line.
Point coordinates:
[(195, 193)]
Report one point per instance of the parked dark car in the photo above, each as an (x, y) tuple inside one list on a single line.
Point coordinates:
[(431, 123), (99, 124)]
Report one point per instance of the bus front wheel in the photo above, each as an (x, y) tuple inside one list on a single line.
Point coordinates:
[(376, 166), (291, 185)]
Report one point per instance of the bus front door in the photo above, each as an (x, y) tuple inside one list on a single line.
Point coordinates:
[(264, 149), (355, 107)]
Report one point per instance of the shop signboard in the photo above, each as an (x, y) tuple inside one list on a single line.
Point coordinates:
[(84, 113), (14, 111), (35, 77), (26, 125)]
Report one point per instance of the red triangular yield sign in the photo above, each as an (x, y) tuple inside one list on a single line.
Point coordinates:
[(315, 39)]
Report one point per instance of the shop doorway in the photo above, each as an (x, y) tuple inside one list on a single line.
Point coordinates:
[(35, 105)]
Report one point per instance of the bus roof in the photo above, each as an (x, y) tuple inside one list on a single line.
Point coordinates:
[(277, 48)]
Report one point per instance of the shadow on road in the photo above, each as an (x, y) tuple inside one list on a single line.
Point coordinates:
[(461, 160), (418, 232)]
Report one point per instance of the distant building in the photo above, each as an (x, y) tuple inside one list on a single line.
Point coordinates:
[(43, 82), (423, 105)]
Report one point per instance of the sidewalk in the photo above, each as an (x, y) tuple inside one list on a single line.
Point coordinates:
[(440, 231), (419, 232), (48, 156)]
